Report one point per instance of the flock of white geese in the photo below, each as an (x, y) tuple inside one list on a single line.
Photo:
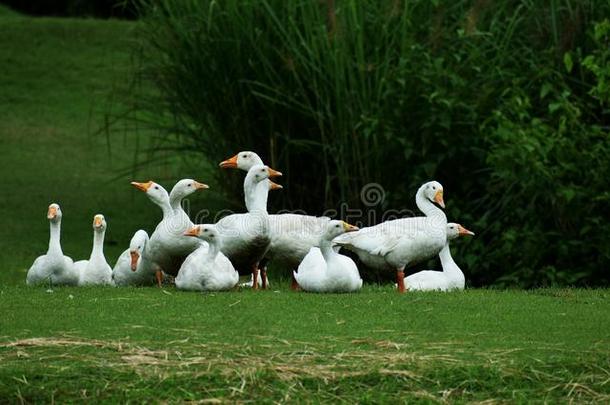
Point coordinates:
[(209, 257)]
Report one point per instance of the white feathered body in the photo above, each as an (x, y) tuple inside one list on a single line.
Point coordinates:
[(204, 272), (55, 268), (333, 273)]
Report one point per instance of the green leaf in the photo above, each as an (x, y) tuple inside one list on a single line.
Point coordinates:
[(567, 61)]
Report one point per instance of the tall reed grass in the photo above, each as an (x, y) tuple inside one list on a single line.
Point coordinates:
[(487, 96)]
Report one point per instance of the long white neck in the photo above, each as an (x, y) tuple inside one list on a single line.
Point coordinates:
[(54, 239), (255, 195), (166, 208), (326, 248), (175, 202), (426, 206), (213, 249), (98, 244), (447, 262)]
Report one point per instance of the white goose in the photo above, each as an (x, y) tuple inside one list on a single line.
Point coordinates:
[(168, 247), (451, 278), (53, 267), (207, 268), (403, 242), (324, 270), (292, 235), (132, 266), (245, 237), (96, 270)]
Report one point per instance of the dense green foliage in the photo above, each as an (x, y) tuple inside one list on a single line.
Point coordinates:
[(134, 345), (505, 103)]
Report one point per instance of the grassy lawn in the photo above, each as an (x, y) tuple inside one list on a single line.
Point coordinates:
[(478, 345)]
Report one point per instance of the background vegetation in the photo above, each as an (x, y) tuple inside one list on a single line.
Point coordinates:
[(506, 103)]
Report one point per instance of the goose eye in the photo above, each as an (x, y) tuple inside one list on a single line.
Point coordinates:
[(244, 156), (156, 187), (189, 184), (336, 226)]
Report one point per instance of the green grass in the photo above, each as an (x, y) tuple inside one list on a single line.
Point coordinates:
[(133, 344), (58, 79)]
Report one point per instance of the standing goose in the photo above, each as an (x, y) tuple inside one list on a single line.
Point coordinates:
[(245, 237), (451, 278), (168, 247), (159, 196), (133, 266), (96, 270), (54, 266), (324, 270), (403, 242), (207, 268), (292, 235)]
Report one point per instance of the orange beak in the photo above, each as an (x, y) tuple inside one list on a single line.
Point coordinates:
[(438, 197), (200, 186), (273, 173), (229, 163), (142, 186), (134, 260), (52, 213), (349, 228), (97, 221), (274, 186), (464, 231), (194, 231)]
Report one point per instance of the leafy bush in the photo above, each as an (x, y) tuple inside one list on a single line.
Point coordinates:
[(505, 103)]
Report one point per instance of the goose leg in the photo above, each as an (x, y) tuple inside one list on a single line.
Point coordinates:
[(294, 285), (159, 277), (264, 277), (255, 276), (400, 279)]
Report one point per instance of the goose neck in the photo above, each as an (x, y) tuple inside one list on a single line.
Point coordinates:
[(255, 195), (98, 244), (447, 261), (427, 207), (54, 238)]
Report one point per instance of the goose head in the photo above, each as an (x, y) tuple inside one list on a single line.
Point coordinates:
[(136, 247), (259, 173), (185, 187), (243, 160), (54, 213), (205, 232), (154, 191), (335, 228), (99, 223), (433, 191), (456, 230)]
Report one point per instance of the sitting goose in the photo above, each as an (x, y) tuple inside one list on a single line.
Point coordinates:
[(403, 242), (53, 267), (207, 268), (132, 266), (96, 270), (292, 235), (324, 270), (451, 278)]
